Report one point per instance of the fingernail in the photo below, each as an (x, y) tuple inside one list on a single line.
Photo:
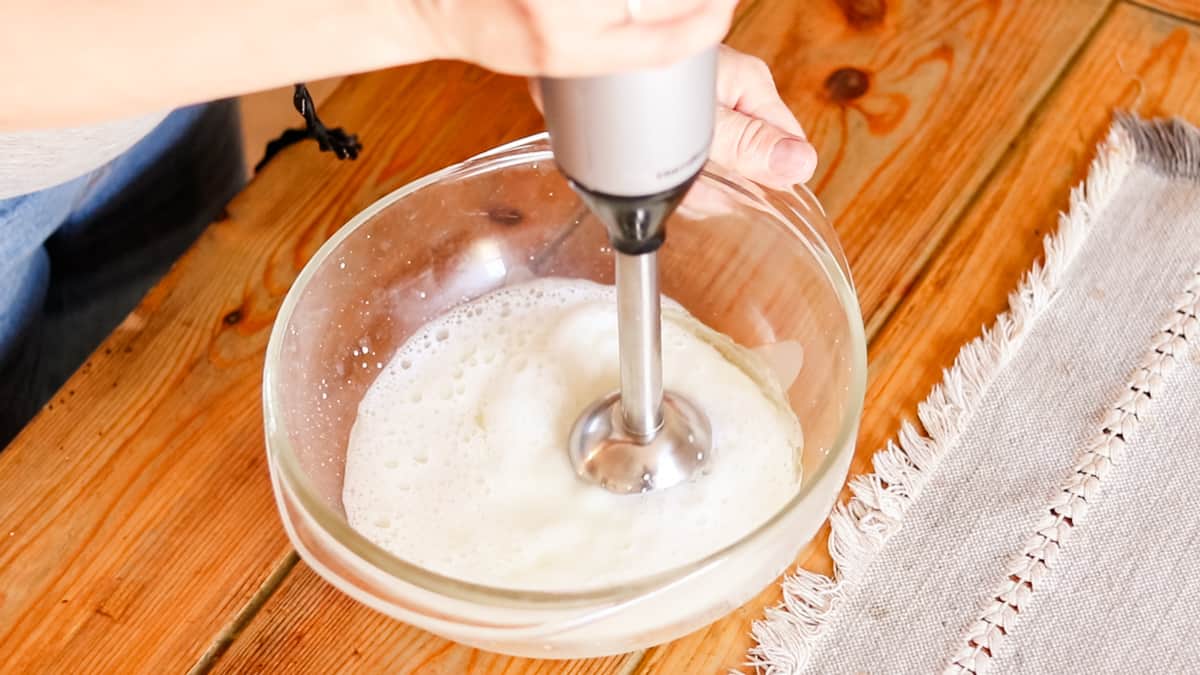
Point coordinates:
[(793, 159)]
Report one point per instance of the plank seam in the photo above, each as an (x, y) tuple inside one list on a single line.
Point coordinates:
[(1162, 12), (883, 315), (245, 615), (633, 662)]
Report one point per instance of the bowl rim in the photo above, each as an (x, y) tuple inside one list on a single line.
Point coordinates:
[(536, 148)]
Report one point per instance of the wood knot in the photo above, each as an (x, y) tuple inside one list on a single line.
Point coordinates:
[(505, 215), (846, 84), (861, 14), (233, 318)]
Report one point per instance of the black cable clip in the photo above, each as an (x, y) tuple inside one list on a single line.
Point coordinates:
[(343, 145)]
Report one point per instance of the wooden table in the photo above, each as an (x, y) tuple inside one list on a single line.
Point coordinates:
[(137, 525)]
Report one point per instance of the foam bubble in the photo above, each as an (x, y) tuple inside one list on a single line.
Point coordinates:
[(459, 445)]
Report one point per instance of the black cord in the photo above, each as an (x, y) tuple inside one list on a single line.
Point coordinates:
[(335, 140)]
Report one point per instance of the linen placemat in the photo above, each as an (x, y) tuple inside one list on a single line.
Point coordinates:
[(1044, 518)]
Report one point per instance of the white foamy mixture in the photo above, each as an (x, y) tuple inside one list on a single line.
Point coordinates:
[(457, 461)]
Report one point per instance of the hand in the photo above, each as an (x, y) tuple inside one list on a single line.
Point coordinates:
[(571, 38), (756, 133)]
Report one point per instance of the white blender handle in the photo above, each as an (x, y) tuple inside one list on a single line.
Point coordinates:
[(633, 134)]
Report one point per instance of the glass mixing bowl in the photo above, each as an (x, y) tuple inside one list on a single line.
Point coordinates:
[(761, 266)]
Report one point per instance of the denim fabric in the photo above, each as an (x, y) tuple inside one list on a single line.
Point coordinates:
[(76, 258)]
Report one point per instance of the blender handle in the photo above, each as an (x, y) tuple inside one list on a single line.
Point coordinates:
[(636, 133)]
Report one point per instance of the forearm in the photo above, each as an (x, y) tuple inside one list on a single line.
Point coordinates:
[(68, 62)]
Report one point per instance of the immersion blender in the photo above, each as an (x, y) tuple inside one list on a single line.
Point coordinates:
[(631, 145)]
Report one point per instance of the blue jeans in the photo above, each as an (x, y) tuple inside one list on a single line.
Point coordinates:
[(76, 258)]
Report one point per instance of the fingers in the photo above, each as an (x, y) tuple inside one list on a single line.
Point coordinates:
[(620, 12), (756, 133), (755, 147), (671, 40), (762, 151), (576, 38), (745, 84), (649, 43)]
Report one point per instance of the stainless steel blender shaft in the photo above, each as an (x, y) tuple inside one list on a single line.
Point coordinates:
[(632, 143), (640, 438), (639, 322)]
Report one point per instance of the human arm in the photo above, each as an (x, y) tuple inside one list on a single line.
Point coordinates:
[(70, 62)]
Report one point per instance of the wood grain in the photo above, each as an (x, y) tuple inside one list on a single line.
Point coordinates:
[(137, 516), (288, 636), (910, 105), (999, 239), (1002, 234)]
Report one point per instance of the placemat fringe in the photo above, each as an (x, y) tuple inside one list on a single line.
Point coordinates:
[(860, 527)]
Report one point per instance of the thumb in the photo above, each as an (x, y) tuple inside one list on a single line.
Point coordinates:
[(761, 151)]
